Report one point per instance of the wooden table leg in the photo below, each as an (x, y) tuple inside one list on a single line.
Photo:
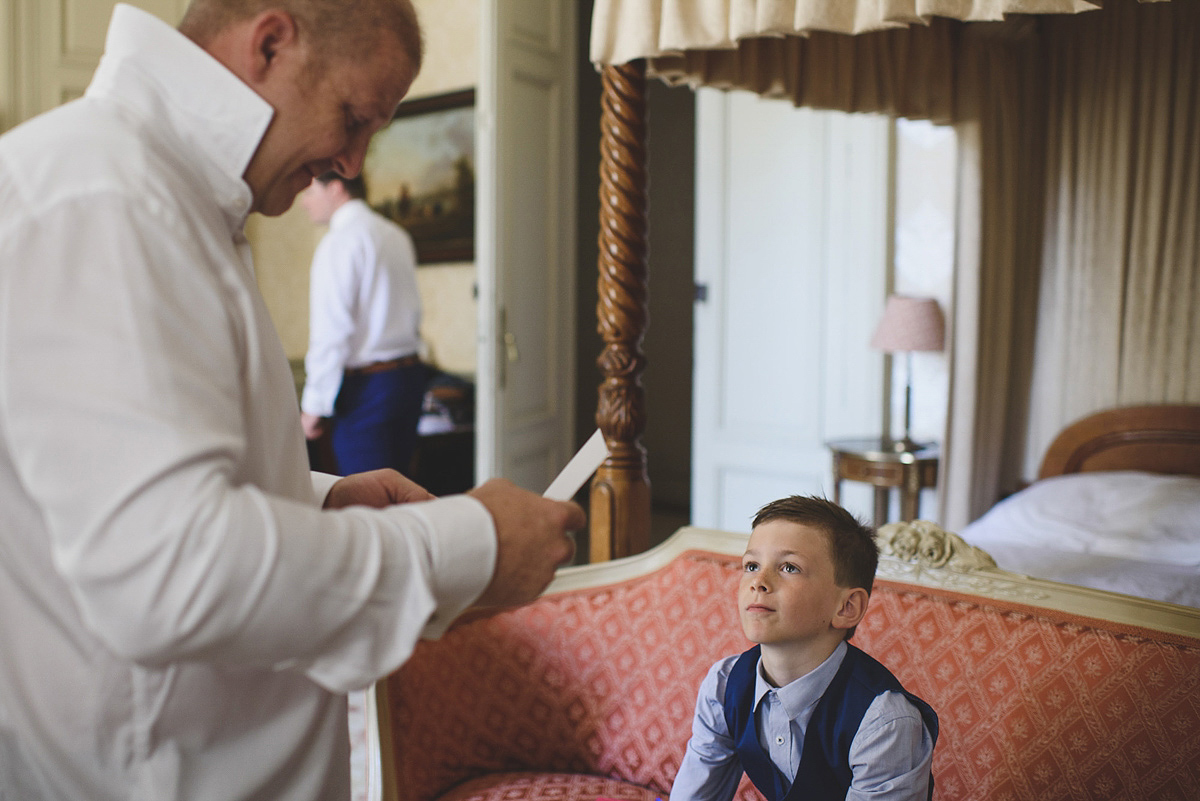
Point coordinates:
[(837, 481), (881, 505), (910, 494)]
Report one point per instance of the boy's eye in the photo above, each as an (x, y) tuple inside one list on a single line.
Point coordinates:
[(750, 567), (788, 567)]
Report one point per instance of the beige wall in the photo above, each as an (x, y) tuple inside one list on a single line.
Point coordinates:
[(8, 66), (283, 246), (451, 46)]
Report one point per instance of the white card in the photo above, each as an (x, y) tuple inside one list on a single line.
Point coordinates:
[(579, 469)]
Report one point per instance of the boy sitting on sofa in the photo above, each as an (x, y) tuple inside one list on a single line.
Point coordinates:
[(805, 714)]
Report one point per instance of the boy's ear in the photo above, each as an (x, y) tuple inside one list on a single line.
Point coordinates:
[(852, 609)]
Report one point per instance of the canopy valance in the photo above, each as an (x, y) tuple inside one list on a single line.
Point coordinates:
[(624, 30)]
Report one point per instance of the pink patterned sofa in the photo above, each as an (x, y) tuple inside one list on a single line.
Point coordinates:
[(1044, 691)]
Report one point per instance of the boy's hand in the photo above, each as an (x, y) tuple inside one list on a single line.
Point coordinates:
[(532, 540), (375, 488)]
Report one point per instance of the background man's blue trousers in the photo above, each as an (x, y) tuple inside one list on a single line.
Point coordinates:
[(375, 419)]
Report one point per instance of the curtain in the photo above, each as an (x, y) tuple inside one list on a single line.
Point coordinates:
[(998, 235), (1119, 311)]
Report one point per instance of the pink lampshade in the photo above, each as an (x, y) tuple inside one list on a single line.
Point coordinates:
[(910, 324)]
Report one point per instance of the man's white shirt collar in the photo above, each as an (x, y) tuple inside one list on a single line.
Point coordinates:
[(220, 117)]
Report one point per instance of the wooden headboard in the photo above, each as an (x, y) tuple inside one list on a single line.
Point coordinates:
[(1161, 438)]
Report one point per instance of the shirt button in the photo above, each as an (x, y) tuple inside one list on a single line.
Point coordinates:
[(779, 740)]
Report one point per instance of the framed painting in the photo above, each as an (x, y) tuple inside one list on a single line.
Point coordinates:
[(420, 172)]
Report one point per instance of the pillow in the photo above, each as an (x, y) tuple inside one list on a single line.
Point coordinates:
[(1125, 514)]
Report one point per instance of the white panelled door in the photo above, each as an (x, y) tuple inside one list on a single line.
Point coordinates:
[(525, 247), (792, 253), (49, 50)]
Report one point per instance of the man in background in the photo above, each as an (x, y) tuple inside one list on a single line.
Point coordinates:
[(183, 605), (363, 375)]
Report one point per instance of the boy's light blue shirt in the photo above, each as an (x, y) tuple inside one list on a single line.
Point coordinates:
[(890, 756)]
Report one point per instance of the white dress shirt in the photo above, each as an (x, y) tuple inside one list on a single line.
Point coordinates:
[(364, 304), (178, 617), (890, 755)]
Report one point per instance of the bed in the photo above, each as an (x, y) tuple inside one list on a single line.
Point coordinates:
[(1116, 507)]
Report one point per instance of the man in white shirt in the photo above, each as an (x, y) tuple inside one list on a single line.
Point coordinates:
[(183, 606), (362, 371)]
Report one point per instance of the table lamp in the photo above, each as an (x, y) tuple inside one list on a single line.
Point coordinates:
[(909, 324)]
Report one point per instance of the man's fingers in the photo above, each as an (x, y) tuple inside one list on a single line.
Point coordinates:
[(376, 488), (570, 557), (403, 489), (532, 540), (577, 518)]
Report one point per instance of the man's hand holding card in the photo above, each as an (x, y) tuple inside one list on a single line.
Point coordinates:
[(533, 533)]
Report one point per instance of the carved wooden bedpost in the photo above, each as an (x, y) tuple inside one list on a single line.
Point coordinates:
[(620, 496)]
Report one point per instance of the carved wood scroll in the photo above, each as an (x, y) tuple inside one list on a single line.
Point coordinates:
[(929, 545), (620, 493)]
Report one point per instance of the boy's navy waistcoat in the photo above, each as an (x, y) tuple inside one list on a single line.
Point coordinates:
[(825, 756)]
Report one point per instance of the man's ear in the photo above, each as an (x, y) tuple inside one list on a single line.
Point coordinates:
[(272, 33), (852, 609), (251, 48)]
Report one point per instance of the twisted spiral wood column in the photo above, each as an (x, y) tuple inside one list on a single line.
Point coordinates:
[(620, 494)]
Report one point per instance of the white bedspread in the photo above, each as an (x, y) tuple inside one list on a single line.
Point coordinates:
[(1130, 532)]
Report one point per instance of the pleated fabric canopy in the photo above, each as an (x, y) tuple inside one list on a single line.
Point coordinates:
[(898, 57), (624, 30)]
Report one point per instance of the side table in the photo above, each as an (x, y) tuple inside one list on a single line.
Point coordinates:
[(876, 461)]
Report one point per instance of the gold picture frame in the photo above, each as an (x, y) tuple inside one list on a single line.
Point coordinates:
[(420, 172)]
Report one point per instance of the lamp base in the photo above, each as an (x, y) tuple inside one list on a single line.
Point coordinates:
[(905, 445)]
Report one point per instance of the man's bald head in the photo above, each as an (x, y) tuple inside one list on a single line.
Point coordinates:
[(333, 27)]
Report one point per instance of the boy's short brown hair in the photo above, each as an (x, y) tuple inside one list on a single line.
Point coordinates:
[(356, 187), (852, 546)]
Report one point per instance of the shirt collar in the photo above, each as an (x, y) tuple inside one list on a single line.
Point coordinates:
[(159, 73), (798, 695), (344, 212)]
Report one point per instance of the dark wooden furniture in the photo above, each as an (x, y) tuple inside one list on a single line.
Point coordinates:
[(878, 462), (444, 461)]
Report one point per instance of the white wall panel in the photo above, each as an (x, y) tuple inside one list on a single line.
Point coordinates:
[(56, 45), (792, 243), (530, 248), (537, 24), (525, 241)]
